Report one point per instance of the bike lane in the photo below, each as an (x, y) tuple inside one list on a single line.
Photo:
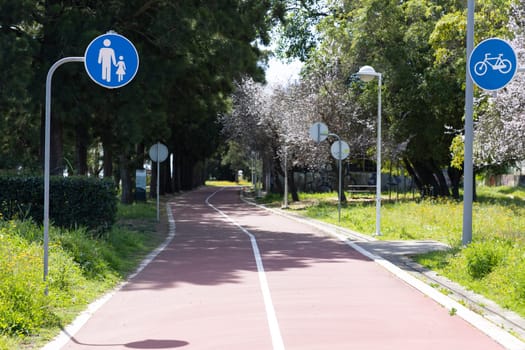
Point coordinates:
[(201, 292), (204, 291), (328, 296)]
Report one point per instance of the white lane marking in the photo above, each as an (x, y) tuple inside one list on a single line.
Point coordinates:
[(275, 331)]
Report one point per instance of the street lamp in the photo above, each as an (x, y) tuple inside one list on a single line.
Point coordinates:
[(366, 74)]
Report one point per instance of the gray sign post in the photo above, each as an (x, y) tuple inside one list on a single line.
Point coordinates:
[(158, 153), (89, 61), (339, 149), (47, 152)]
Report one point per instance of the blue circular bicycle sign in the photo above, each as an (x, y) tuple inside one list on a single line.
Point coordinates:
[(111, 60), (492, 64)]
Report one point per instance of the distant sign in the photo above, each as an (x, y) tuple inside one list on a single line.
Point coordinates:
[(158, 152), (492, 64), (340, 145), (111, 60), (318, 132)]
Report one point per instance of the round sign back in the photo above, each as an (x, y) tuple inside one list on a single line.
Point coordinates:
[(318, 132), (158, 152), (345, 150)]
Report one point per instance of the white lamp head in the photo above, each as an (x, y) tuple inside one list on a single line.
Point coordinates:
[(367, 73)]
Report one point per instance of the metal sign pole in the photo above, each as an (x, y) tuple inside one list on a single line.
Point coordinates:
[(340, 173), (285, 177), (90, 59), (158, 180), (158, 153), (468, 167), (339, 185), (47, 156)]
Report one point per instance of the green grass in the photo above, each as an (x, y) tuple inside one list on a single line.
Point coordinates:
[(493, 265), (220, 183), (81, 268)]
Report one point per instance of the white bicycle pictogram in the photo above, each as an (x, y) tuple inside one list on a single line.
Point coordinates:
[(498, 63)]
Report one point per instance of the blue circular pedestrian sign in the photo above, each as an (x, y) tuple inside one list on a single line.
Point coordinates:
[(492, 64), (111, 60)]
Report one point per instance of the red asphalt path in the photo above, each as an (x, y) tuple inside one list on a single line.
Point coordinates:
[(310, 291)]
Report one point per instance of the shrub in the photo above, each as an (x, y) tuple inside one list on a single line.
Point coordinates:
[(74, 201), (85, 252), (483, 257), (80, 268), (517, 279), (23, 306)]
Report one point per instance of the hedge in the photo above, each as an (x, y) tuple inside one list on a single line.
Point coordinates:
[(73, 201)]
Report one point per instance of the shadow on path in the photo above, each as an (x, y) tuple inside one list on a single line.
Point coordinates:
[(143, 344), (209, 250)]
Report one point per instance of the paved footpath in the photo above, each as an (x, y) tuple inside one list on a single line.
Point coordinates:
[(239, 277)]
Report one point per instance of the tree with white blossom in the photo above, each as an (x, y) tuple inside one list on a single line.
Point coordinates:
[(276, 122), (500, 128)]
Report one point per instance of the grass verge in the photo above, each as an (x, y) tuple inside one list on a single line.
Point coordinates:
[(81, 268), (220, 183)]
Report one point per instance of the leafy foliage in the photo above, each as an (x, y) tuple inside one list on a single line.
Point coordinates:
[(24, 307), (80, 269), (483, 257), (190, 53), (500, 131), (419, 47), (74, 201)]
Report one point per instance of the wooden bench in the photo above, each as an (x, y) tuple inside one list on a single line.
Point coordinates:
[(361, 188)]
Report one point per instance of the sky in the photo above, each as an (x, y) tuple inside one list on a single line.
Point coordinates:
[(282, 73)]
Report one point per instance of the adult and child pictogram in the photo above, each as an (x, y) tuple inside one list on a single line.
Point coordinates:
[(111, 60)]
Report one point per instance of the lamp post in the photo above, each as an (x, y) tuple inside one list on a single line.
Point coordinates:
[(366, 74)]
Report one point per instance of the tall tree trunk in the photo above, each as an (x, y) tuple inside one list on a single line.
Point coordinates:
[(278, 172), (186, 173), (47, 56), (455, 177), (153, 182), (443, 189), (56, 162), (166, 177), (342, 194), (293, 186), (81, 149), (126, 180), (428, 178), (164, 183), (176, 173), (141, 155), (107, 159), (412, 173)]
